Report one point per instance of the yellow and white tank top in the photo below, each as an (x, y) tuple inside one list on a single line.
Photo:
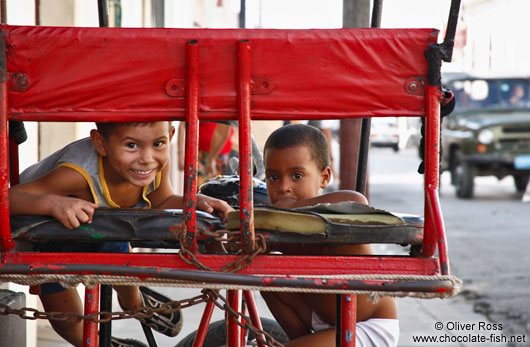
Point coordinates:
[(82, 157)]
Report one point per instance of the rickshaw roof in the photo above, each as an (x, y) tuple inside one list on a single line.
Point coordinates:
[(106, 74)]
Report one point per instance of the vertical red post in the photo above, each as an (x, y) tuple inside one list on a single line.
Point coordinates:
[(245, 146), (349, 320), (203, 326), (90, 329), (233, 333), (6, 242), (253, 313), (13, 162), (433, 96), (192, 143), (433, 203)]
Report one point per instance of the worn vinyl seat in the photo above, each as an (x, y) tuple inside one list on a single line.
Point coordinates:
[(140, 225), (343, 223)]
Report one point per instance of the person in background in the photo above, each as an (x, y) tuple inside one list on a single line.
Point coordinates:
[(517, 95), (215, 145)]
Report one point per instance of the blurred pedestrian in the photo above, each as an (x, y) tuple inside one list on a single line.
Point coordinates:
[(215, 145)]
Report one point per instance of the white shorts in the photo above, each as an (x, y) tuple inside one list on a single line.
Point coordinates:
[(375, 332)]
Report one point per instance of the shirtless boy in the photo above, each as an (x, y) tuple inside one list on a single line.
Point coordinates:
[(297, 170)]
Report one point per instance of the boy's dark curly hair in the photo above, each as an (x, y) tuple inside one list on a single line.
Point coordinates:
[(292, 135), (106, 129)]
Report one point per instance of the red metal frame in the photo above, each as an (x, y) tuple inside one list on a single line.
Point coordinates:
[(253, 313), (434, 234), (263, 264), (233, 331), (90, 329), (192, 143), (348, 320), (13, 162), (287, 271), (6, 242), (245, 157), (203, 325)]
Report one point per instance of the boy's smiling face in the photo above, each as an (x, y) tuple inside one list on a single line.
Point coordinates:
[(293, 174), (134, 153)]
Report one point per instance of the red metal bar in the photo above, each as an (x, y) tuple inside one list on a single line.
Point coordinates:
[(349, 320), (90, 329), (233, 333), (433, 97), (192, 143), (203, 325), (216, 279), (13, 162), (253, 313), (263, 264), (438, 223), (245, 153), (242, 337), (6, 242)]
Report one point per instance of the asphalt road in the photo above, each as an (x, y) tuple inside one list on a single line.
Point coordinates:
[(488, 236)]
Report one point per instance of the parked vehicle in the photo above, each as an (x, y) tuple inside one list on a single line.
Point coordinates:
[(385, 133), (395, 132), (488, 133)]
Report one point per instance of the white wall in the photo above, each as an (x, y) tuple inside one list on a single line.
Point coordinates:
[(294, 14), (497, 36), (495, 31)]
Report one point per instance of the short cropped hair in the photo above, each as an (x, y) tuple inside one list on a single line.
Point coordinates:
[(293, 135), (106, 129)]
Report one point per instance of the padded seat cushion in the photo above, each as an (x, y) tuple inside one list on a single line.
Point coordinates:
[(346, 222), (111, 225)]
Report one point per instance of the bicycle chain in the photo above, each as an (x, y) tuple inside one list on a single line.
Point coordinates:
[(104, 317)]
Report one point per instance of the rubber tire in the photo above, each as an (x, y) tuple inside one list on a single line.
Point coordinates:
[(455, 159), (216, 335), (521, 182), (395, 148), (463, 177)]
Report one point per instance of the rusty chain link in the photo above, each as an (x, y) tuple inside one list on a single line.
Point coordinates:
[(104, 317), (189, 258), (258, 333), (234, 266)]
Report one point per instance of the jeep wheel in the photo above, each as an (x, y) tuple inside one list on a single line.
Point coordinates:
[(521, 181), (463, 177)]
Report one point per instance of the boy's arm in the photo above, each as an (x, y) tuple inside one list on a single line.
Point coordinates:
[(60, 194), (338, 196), (163, 197), (334, 197)]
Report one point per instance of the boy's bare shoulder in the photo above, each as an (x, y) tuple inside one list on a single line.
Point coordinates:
[(345, 195)]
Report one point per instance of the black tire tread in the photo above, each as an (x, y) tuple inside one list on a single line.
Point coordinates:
[(216, 335)]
